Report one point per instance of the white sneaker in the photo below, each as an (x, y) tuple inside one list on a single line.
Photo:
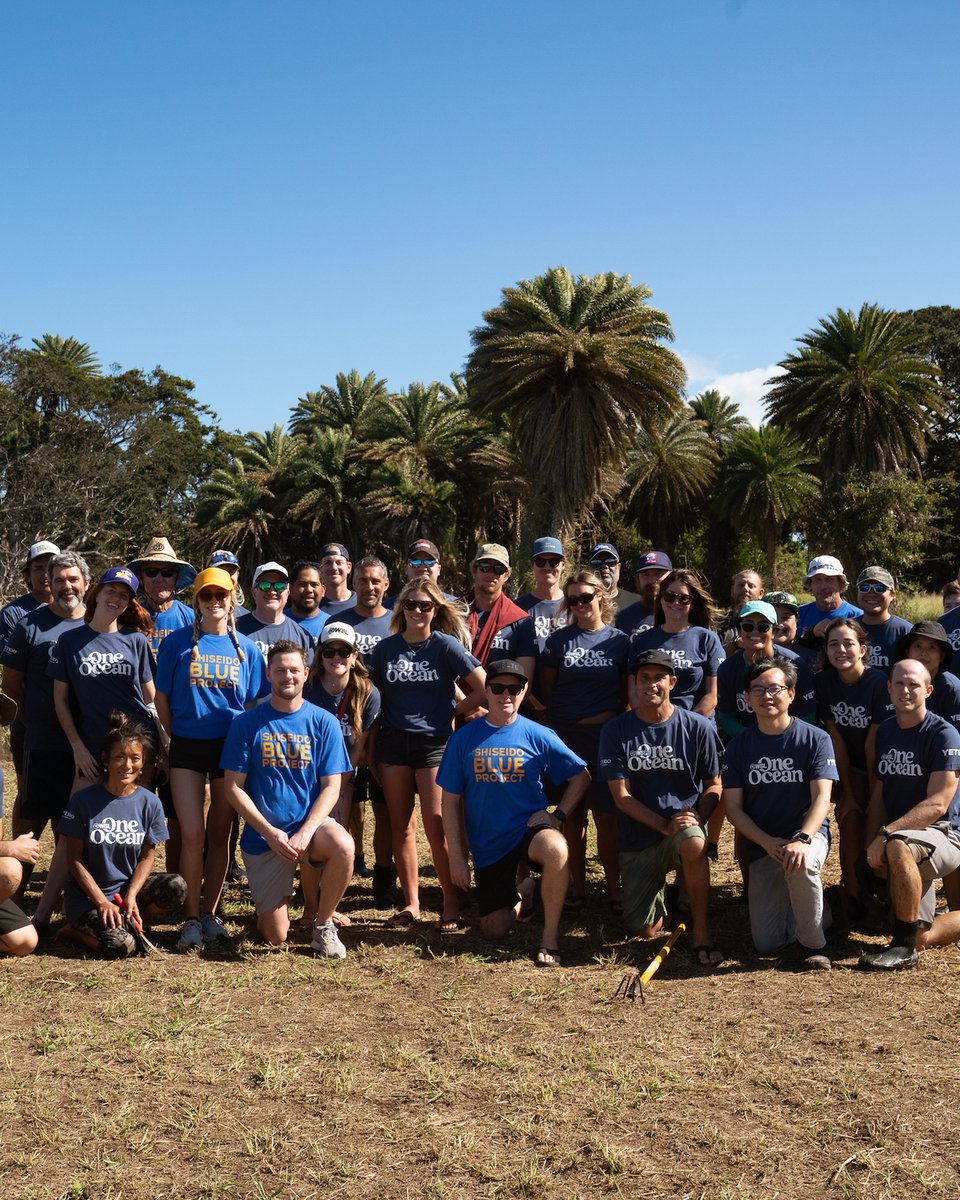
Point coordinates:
[(213, 928), (326, 942), (191, 935)]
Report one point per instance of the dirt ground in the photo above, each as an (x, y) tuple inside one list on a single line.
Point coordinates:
[(439, 1066)]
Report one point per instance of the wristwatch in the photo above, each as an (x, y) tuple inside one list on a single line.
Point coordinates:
[(559, 814), (800, 836), (884, 832)]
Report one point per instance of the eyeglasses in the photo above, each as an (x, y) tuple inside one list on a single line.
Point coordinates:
[(272, 585), (547, 564), (677, 598), (864, 588), (160, 572), (336, 651), (512, 689), (209, 597), (755, 626), (422, 562), (418, 605), (492, 568), (771, 689), (582, 598)]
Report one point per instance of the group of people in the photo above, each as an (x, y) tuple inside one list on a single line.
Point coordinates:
[(137, 718)]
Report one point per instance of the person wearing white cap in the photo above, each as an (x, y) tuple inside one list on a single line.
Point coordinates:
[(268, 623), (826, 582)]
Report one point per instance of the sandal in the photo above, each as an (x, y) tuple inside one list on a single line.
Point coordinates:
[(547, 957), (449, 925), (709, 956), (403, 919)]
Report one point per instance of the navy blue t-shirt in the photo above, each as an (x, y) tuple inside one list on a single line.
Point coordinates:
[(318, 695), (499, 773), (590, 666), (906, 758), (334, 608), (944, 700), (545, 618), (114, 830), (264, 636), (13, 613), (664, 763), (696, 653), (28, 649), (417, 682), (731, 678), (369, 631), (633, 618), (775, 772), (951, 623), (881, 650), (853, 707)]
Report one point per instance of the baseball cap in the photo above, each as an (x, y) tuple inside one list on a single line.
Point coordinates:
[(213, 577), (41, 549), (423, 546), (759, 608), (654, 658), (338, 631), (824, 564), (506, 666), (120, 575), (653, 559), (220, 558), (547, 545), (334, 548), (492, 552), (269, 566), (603, 550), (782, 599), (875, 575)]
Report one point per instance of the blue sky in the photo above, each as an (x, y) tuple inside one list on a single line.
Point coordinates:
[(257, 196)]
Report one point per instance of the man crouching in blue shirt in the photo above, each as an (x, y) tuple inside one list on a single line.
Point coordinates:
[(662, 764), (492, 779)]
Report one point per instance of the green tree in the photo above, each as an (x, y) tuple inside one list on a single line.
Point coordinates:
[(326, 488), (578, 364), (350, 405), (721, 418), (763, 484), (670, 469), (858, 394)]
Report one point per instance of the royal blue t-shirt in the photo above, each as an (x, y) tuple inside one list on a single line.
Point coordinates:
[(499, 773), (417, 682), (881, 651), (545, 617), (633, 618), (28, 649), (775, 772), (310, 625), (809, 615), (944, 700), (284, 756), (665, 764), (853, 707), (696, 653), (114, 831), (318, 695), (264, 636), (205, 695), (732, 704), (951, 624), (906, 758), (369, 631), (177, 616), (590, 666), (106, 673)]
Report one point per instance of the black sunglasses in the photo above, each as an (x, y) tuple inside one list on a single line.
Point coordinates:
[(512, 689), (336, 651), (583, 598), (160, 572), (548, 563), (418, 605)]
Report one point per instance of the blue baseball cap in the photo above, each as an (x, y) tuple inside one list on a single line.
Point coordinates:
[(219, 557), (335, 548), (653, 559), (120, 575), (604, 550), (759, 608), (547, 545)]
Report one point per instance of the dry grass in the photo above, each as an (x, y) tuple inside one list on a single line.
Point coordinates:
[(428, 1066)]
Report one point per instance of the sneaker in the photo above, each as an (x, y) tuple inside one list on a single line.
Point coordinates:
[(326, 942), (214, 929), (892, 958), (191, 935)]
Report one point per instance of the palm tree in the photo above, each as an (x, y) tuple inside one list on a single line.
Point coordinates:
[(857, 393), (574, 362), (720, 416), (349, 405), (327, 485), (235, 508), (670, 469), (405, 505), (764, 483), (68, 352)]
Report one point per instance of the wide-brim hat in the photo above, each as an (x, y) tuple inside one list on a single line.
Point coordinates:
[(159, 552)]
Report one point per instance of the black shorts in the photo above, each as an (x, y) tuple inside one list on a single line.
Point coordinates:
[(11, 918), (395, 748), (18, 732), (47, 779), (365, 787), (197, 754), (497, 884)]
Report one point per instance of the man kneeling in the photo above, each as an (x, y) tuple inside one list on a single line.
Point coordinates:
[(18, 937), (284, 762), (492, 779)]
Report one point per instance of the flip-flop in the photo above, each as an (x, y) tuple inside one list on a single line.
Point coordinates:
[(403, 919), (708, 952), (552, 958), (449, 925)]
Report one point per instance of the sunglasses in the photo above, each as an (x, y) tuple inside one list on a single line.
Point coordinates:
[(604, 562), (160, 572), (492, 568), (864, 588), (677, 598), (336, 651), (422, 562), (547, 564), (755, 626), (209, 597), (272, 585), (583, 598), (512, 689), (771, 689), (418, 605)]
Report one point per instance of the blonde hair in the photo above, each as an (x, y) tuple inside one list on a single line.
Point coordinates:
[(591, 580), (231, 628), (358, 686), (448, 615)]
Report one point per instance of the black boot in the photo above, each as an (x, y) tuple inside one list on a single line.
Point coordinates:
[(384, 886)]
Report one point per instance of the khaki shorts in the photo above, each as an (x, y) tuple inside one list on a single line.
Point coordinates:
[(643, 875), (936, 851), (270, 877)]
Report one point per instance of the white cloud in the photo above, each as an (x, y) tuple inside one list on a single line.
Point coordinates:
[(745, 388)]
